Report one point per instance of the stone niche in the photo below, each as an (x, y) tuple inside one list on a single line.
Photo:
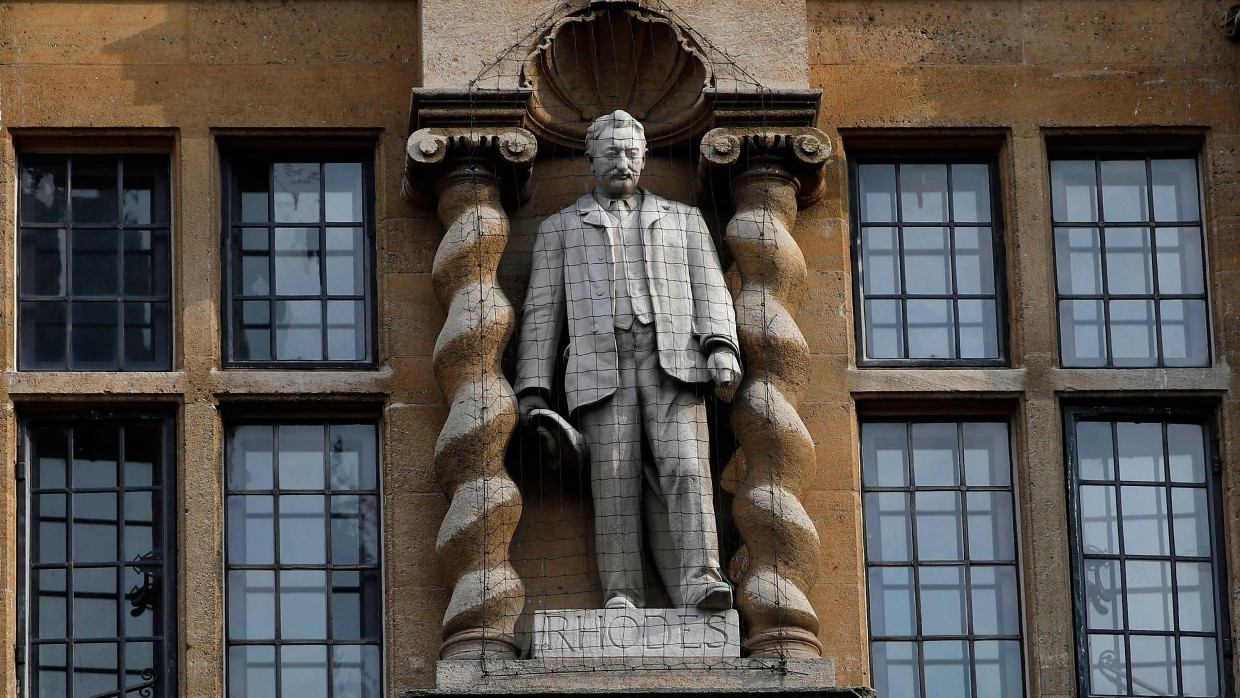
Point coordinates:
[(498, 152)]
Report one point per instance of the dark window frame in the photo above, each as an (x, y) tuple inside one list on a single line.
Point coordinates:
[(326, 421), (234, 155), (1110, 152), (166, 676), (1109, 413), (958, 419), (968, 156), (164, 160)]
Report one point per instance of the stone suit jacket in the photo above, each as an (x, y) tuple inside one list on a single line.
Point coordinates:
[(571, 283)]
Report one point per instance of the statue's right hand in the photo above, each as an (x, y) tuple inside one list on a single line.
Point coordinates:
[(529, 402)]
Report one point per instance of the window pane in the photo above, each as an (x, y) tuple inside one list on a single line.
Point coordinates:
[(979, 334), (1129, 267), (1191, 522), (299, 330), (252, 671), (303, 604), (346, 258), (923, 193), (1184, 338), (254, 278), (297, 191), (352, 457), (1149, 595), (95, 194), (930, 329), (1194, 583), (343, 195), (301, 457), (146, 338), (971, 193), (254, 337), (303, 671), (884, 329), (41, 327), (880, 259), (51, 523), (941, 598), (251, 530), (1145, 521), (145, 197), (1132, 333), (884, 461), (1078, 261), (1140, 447), (95, 667), (50, 669), (936, 458), (878, 193), (94, 527), (888, 536), (991, 519), (250, 457), (254, 190), (1074, 191), (1104, 597), (96, 605), (50, 603), (1181, 265), (975, 261), (939, 530), (355, 605), (1153, 665), (927, 259), (251, 605), (1108, 665), (892, 604), (986, 457), (355, 671), (1124, 195), (947, 669), (1199, 660), (1099, 520), (896, 669), (346, 326), (303, 530), (96, 335), (997, 665), (41, 265), (42, 183), (994, 597), (297, 261), (1175, 190), (139, 530), (96, 262), (1081, 333), (1094, 450), (355, 538), (1186, 447), (146, 260)]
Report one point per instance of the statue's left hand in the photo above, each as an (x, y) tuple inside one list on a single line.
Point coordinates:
[(725, 371)]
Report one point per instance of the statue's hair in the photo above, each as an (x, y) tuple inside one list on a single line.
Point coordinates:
[(617, 119)]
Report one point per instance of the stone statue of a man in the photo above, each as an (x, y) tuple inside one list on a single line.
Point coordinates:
[(649, 319)]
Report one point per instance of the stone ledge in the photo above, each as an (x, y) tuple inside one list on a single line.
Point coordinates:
[(681, 676)]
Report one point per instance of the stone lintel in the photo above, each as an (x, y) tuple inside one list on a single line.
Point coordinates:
[(763, 108), (467, 108), (687, 676), (636, 632)]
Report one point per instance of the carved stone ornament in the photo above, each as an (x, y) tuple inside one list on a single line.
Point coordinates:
[(616, 55)]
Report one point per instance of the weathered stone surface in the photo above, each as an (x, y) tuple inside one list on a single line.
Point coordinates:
[(636, 632)]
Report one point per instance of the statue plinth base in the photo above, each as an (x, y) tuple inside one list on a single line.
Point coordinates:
[(687, 676), (636, 632)]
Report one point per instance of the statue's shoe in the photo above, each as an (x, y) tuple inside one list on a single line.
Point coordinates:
[(620, 601), (718, 597)]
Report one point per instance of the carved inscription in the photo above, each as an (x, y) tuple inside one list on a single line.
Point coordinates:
[(636, 632)]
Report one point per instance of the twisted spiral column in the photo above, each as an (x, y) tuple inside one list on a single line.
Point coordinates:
[(485, 505), (776, 563)]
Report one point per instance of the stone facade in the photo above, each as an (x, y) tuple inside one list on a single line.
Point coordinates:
[(190, 78)]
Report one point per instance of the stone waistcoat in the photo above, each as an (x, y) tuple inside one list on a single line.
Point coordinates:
[(632, 289)]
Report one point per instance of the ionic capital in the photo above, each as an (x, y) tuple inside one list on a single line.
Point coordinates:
[(434, 154), (797, 152)]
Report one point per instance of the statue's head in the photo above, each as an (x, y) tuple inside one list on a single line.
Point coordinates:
[(616, 150)]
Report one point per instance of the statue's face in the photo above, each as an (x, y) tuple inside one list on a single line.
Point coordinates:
[(616, 158)]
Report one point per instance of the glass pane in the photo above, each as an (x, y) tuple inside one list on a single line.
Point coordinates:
[(96, 262), (297, 261), (1140, 446), (1108, 665), (1099, 520), (303, 604), (143, 448), (975, 261), (299, 330), (1199, 662), (979, 335), (146, 263), (941, 598), (41, 262), (930, 331), (880, 260), (939, 534), (147, 341), (1153, 666), (143, 591), (1175, 190), (96, 603), (138, 537), (346, 259), (95, 193), (991, 522), (95, 335), (1149, 595), (254, 338), (303, 671), (250, 450), (1145, 521), (352, 457), (1078, 261), (355, 671), (1074, 191), (892, 606), (1094, 450), (1104, 595), (1124, 197), (140, 657), (42, 330), (1186, 447), (343, 196), (947, 668), (884, 454), (251, 530), (896, 666), (878, 193), (971, 193), (1181, 268), (997, 667), (303, 530), (51, 528), (251, 605), (95, 668), (254, 278), (936, 460), (297, 188), (51, 457), (252, 671), (884, 329), (923, 193), (1195, 596), (301, 457), (355, 532), (1184, 333), (355, 605), (50, 603), (145, 196), (888, 535), (993, 594), (96, 452), (253, 185), (42, 190), (346, 330), (1132, 333), (50, 669), (927, 261), (94, 527), (1190, 521), (986, 460), (1129, 266)]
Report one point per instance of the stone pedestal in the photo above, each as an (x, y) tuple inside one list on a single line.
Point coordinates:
[(650, 633)]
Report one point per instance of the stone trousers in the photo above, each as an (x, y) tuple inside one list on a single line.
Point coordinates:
[(651, 409)]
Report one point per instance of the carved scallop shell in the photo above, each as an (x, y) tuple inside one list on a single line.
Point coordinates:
[(601, 59)]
